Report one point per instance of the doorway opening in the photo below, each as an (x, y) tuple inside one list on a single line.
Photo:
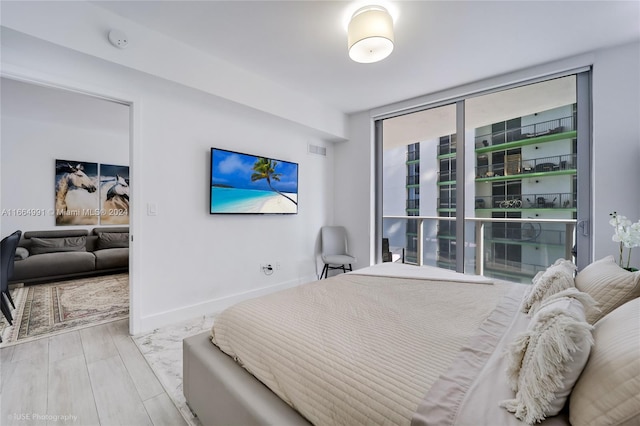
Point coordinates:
[(66, 187)]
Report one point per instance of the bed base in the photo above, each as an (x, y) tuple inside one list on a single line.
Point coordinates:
[(221, 392)]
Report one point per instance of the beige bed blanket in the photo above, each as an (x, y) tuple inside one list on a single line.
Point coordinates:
[(355, 349)]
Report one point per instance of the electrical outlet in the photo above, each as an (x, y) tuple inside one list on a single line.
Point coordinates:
[(266, 268)]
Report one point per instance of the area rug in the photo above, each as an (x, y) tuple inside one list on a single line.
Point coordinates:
[(47, 309)]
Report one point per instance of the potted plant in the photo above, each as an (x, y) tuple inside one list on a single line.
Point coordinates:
[(628, 235)]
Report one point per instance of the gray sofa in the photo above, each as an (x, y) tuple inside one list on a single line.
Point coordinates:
[(54, 255)]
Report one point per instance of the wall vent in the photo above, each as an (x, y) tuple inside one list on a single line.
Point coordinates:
[(317, 150)]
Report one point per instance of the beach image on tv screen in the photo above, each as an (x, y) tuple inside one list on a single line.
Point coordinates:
[(242, 183)]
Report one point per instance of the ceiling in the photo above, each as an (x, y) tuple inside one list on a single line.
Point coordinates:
[(479, 111), (439, 44)]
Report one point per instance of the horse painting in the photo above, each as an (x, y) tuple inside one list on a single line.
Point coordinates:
[(114, 195), (76, 193)]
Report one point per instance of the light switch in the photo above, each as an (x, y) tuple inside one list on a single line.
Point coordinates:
[(152, 209)]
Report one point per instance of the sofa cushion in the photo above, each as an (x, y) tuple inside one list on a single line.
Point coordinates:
[(53, 264), (53, 245), (107, 240), (112, 258), (110, 229), (62, 233)]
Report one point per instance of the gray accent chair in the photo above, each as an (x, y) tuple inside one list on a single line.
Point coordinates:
[(335, 253)]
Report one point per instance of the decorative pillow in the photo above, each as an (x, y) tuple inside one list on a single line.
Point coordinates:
[(588, 303), (609, 284), (608, 391), (21, 253), (113, 240), (557, 277), (52, 245), (544, 362)]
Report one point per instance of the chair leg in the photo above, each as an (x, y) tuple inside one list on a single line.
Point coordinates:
[(350, 268), (5, 310), (8, 293), (325, 271)]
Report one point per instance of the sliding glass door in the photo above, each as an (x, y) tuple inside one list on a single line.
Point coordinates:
[(492, 184), (419, 179)]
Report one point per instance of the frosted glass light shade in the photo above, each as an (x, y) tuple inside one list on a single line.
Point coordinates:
[(370, 34)]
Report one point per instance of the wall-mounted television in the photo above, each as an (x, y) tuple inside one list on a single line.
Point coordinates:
[(252, 184)]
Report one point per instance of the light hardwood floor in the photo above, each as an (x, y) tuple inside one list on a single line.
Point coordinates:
[(96, 374)]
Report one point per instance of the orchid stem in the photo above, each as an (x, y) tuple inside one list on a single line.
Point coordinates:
[(620, 259)]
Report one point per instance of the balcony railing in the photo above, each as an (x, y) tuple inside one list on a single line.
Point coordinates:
[(449, 148), (540, 242), (549, 200), (446, 203), (543, 128), (413, 155), (530, 232), (446, 176), (413, 179), (413, 204), (523, 167)]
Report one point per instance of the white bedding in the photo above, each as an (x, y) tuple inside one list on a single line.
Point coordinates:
[(402, 270), (356, 348)]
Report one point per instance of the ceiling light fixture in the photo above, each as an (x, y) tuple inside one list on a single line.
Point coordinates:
[(370, 34)]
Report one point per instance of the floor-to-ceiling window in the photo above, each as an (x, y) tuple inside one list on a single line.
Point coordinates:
[(511, 169), (423, 145)]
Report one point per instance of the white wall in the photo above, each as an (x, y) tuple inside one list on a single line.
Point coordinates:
[(187, 262), (195, 257), (616, 148), (29, 150), (616, 141), (32, 140), (354, 187)]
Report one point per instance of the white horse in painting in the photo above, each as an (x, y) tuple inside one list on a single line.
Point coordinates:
[(115, 204), (72, 195)]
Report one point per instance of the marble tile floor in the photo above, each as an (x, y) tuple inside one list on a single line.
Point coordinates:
[(93, 376), (162, 349)]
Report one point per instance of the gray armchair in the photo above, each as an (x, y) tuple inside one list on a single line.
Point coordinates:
[(335, 254)]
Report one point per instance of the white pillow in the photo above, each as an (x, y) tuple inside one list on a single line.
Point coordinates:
[(608, 391), (589, 305), (556, 278), (609, 284), (544, 362)]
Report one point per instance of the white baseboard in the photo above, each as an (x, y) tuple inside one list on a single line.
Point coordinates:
[(209, 307)]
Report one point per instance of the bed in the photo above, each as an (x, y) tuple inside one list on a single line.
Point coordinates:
[(389, 344)]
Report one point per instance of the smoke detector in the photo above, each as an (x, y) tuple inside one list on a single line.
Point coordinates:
[(118, 39)]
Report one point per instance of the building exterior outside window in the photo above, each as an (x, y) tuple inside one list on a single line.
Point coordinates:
[(525, 167)]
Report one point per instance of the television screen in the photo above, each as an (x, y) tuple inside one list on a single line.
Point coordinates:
[(243, 183)]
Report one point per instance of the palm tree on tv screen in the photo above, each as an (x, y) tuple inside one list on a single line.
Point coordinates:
[(265, 168)]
